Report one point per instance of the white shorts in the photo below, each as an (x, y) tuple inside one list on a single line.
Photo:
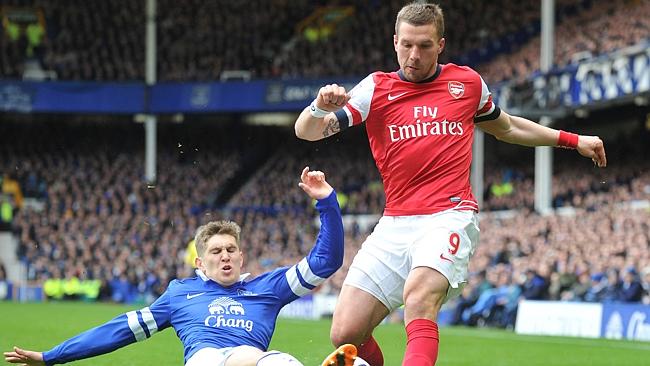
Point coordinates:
[(211, 356), (444, 241)]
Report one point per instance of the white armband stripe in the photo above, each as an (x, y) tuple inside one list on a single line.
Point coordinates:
[(147, 316), (294, 282), (134, 324), (307, 274)]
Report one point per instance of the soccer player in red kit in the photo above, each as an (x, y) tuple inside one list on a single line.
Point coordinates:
[(420, 122)]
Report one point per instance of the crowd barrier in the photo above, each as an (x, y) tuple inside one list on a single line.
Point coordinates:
[(591, 320)]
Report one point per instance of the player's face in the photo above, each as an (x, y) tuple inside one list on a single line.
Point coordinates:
[(417, 48), (222, 259)]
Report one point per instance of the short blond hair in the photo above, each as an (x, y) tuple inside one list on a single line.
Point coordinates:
[(417, 13), (205, 232)]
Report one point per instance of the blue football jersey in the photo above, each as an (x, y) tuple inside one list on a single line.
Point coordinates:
[(206, 314)]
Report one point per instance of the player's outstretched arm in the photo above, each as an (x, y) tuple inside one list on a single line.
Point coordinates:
[(125, 329), (521, 131), (318, 121), (24, 357), (326, 257)]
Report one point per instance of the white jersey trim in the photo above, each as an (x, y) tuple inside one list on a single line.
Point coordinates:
[(308, 275), (361, 97), (134, 325), (149, 321), (294, 282), (485, 98)]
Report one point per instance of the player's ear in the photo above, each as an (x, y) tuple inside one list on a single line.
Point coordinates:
[(441, 44), (241, 263), (198, 263), (395, 42)]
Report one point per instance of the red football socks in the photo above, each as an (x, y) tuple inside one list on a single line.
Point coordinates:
[(371, 352), (421, 343)]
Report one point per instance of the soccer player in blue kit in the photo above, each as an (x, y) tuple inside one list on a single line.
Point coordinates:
[(222, 318)]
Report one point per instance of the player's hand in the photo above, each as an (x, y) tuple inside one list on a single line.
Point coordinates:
[(592, 147), (332, 98), (24, 357), (314, 184)]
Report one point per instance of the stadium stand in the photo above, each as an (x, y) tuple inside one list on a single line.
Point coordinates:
[(586, 34), (101, 223), (93, 229), (197, 41), (82, 41)]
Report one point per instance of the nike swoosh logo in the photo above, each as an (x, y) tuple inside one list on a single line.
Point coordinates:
[(393, 97), (445, 258), (189, 297)]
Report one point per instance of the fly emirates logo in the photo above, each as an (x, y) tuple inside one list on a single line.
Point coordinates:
[(425, 125)]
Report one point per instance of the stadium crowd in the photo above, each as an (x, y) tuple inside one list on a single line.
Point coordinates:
[(587, 34), (81, 40), (94, 229), (100, 220), (101, 223), (285, 39)]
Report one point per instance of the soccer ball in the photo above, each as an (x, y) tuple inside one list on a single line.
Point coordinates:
[(360, 362)]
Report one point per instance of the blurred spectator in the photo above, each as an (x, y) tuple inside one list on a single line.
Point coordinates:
[(597, 288), (612, 289), (631, 288), (6, 212), (476, 285), (10, 186), (495, 306), (645, 276), (578, 291), (4, 283), (535, 287)]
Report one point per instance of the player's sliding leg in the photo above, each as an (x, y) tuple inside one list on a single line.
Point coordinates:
[(275, 358), (251, 356), (424, 294), (356, 315)]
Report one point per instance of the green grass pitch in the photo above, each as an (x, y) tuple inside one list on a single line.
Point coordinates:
[(41, 326)]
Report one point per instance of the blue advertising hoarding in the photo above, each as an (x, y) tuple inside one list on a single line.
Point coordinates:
[(253, 96), (72, 97), (623, 321), (600, 79)]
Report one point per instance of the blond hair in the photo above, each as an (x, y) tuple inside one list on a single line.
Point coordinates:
[(417, 13), (205, 232)]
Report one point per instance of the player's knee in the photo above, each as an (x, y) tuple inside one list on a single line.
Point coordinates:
[(341, 334), (422, 303), (275, 358)]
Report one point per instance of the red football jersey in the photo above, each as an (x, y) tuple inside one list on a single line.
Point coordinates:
[(421, 135)]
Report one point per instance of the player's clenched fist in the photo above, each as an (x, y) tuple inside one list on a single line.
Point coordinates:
[(332, 97)]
